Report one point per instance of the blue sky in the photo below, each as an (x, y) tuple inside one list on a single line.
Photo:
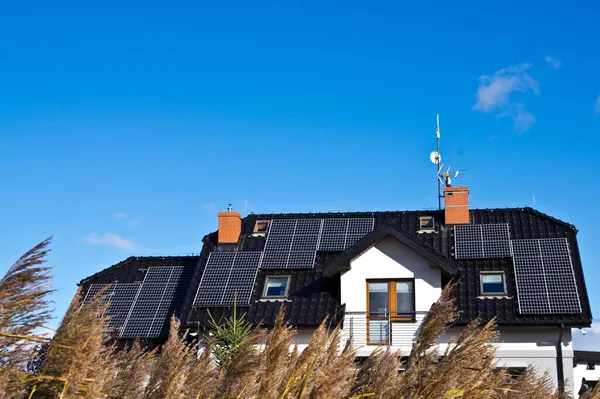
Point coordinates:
[(124, 128)]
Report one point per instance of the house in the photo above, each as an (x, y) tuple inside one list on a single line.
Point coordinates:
[(376, 273), (586, 365)]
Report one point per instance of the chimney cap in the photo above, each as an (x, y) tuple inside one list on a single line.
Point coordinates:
[(229, 208), (456, 188)]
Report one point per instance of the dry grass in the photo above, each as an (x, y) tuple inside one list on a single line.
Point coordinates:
[(82, 362), (24, 294)]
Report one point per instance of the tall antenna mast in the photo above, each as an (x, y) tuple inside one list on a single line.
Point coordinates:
[(436, 158), (443, 177), (439, 163)]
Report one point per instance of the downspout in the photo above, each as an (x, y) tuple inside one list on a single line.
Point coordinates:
[(560, 373)]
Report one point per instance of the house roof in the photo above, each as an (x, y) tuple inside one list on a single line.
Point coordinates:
[(314, 294), (586, 357), (342, 262)]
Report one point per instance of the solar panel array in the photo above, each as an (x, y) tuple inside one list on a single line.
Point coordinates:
[(293, 243), (149, 314), (481, 241), (543, 268), (140, 309), (340, 234), (228, 275), (119, 296), (545, 277)]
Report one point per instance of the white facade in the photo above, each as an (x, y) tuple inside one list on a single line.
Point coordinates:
[(581, 371), (391, 259)]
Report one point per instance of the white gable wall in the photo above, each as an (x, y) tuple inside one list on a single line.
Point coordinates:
[(390, 259)]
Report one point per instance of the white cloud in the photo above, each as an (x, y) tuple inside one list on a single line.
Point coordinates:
[(553, 62), (523, 120), (495, 94), (591, 340), (131, 220), (111, 240)]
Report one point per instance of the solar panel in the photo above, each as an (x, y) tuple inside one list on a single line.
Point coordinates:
[(332, 242), (335, 226), (301, 259), (340, 234), (545, 277), (288, 260), (148, 317), (120, 297), (227, 274), (360, 226), (293, 235), (307, 235), (241, 278), (481, 241)]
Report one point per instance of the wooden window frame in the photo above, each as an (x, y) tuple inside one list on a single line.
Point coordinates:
[(257, 233), (392, 304), (392, 298)]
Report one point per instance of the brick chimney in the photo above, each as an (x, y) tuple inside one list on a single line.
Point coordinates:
[(230, 226), (456, 205)]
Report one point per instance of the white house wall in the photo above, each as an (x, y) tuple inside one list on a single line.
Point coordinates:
[(390, 259), (525, 346), (580, 371)]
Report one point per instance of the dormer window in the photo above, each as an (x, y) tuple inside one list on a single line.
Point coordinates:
[(276, 287), (260, 228)]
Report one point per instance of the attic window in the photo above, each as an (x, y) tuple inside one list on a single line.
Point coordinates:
[(493, 283), (426, 223), (276, 287), (261, 227)]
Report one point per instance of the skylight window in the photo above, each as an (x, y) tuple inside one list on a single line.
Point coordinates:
[(260, 227), (276, 287), (493, 283), (426, 223)]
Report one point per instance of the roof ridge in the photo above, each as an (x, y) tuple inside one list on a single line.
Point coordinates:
[(132, 258)]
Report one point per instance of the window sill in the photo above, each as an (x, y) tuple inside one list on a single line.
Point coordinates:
[(274, 300), (498, 296)]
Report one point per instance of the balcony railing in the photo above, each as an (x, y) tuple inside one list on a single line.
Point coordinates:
[(396, 329)]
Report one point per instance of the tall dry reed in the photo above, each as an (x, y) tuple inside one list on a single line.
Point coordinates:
[(83, 362)]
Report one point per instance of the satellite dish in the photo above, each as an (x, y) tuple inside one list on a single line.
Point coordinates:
[(435, 157)]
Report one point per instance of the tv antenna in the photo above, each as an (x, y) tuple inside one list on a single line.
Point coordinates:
[(443, 177)]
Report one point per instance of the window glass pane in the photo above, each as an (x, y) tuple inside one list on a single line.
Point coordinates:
[(378, 299), (492, 283), (404, 297), (276, 286), (379, 332)]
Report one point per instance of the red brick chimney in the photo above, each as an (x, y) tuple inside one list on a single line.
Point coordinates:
[(230, 227), (456, 205)]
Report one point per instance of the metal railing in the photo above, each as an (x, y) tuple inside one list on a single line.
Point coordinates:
[(389, 328)]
